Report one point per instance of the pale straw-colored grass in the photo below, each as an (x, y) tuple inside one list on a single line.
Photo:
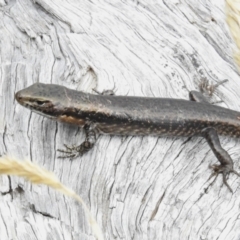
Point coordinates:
[(37, 175), (233, 20)]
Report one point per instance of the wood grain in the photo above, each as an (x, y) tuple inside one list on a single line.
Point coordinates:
[(136, 187)]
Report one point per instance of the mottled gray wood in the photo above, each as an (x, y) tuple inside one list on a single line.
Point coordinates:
[(136, 187)]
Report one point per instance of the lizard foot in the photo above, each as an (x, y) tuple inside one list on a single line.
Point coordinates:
[(105, 92), (206, 87), (69, 152), (225, 171), (75, 151)]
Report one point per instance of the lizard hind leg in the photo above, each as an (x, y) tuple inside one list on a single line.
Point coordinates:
[(209, 89), (206, 88), (226, 163), (219, 169), (197, 97)]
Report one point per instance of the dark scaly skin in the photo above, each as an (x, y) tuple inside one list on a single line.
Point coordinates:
[(121, 115)]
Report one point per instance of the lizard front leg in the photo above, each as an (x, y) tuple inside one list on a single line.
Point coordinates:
[(85, 146)]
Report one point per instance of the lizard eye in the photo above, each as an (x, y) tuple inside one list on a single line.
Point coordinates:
[(41, 103)]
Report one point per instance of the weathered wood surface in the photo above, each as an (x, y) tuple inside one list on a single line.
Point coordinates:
[(136, 187)]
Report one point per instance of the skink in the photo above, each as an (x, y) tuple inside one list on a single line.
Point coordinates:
[(124, 115)]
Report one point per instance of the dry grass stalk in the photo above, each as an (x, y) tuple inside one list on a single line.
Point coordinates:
[(37, 175), (233, 20)]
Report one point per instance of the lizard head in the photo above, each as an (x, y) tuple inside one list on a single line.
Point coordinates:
[(45, 99)]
